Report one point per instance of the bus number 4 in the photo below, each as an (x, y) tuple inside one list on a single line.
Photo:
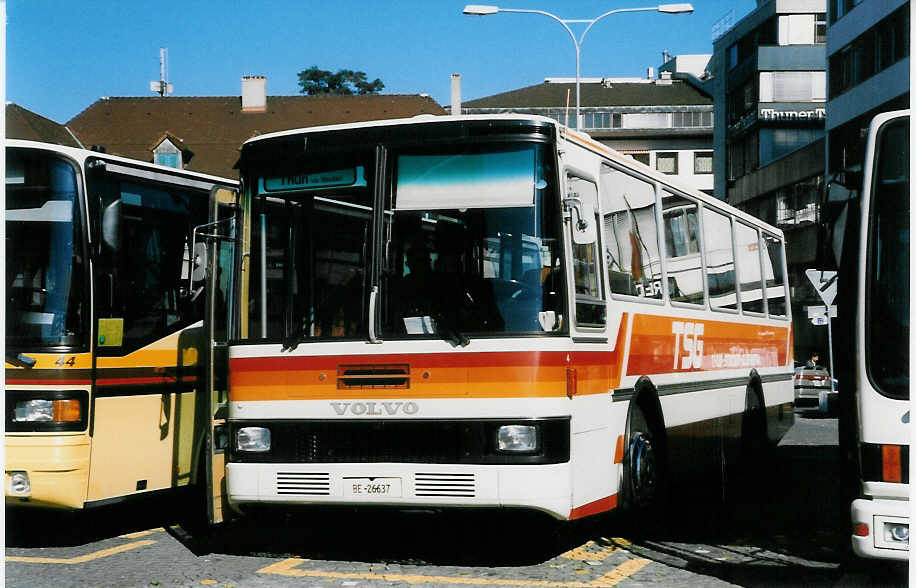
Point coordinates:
[(691, 335)]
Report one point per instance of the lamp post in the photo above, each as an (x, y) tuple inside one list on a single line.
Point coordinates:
[(483, 10)]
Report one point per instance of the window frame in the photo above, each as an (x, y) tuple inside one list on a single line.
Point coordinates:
[(612, 295), (664, 155)]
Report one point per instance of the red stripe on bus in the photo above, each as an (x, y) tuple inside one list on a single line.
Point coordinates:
[(20, 382), (602, 505), (431, 360), (139, 381)]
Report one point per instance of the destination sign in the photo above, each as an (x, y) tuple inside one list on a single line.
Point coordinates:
[(326, 179)]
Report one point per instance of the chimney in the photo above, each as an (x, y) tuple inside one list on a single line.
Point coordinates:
[(456, 94), (650, 73), (254, 94)]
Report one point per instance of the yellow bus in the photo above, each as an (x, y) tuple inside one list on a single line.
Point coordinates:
[(109, 388), (493, 312)]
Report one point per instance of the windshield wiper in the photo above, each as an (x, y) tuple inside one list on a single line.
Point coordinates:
[(446, 327), (20, 360)]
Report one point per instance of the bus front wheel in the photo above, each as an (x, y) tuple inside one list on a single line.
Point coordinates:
[(644, 479)]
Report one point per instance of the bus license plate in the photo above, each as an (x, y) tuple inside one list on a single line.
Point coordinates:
[(372, 487)]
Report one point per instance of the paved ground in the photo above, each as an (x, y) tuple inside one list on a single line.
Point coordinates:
[(786, 529)]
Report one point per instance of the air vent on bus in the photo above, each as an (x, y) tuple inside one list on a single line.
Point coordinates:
[(445, 485), (373, 376), (304, 484)]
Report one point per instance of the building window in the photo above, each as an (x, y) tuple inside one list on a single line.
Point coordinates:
[(793, 86), (842, 7), (691, 119), (776, 143), (666, 162), (702, 162), (871, 52), (802, 29), (167, 154), (820, 28), (642, 158)]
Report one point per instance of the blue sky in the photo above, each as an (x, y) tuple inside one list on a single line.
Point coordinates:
[(64, 55)]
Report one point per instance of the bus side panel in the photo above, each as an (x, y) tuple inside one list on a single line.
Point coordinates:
[(596, 477), (145, 397), (148, 462)]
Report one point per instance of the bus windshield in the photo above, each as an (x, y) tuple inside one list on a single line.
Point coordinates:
[(468, 246), (887, 301), (45, 281), (472, 244)]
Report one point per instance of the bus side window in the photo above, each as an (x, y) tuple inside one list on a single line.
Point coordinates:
[(631, 231), (775, 276), (590, 301), (156, 230), (747, 244), (720, 260), (682, 249)]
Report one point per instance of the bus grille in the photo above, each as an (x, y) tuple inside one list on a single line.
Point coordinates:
[(401, 441), (445, 485), (304, 484)]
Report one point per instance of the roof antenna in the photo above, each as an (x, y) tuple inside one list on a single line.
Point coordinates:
[(162, 87)]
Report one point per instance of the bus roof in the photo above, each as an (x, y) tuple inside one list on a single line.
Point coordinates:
[(419, 119), (81, 155)]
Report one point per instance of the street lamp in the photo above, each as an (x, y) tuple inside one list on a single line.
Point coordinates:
[(484, 9)]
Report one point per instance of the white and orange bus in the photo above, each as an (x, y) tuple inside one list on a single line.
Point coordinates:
[(109, 387), (492, 311)]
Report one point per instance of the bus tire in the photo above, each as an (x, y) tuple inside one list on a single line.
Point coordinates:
[(754, 440), (644, 471)]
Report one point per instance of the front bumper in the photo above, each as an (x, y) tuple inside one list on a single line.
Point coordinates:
[(57, 467), (878, 515), (545, 488)]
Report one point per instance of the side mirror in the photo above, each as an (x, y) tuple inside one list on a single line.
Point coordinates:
[(111, 225), (582, 217), (844, 185), (199, 263)]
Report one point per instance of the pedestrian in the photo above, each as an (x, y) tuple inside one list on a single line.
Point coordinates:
[(812, 361)]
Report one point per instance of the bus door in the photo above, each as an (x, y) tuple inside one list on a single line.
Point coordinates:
[(214, 256)]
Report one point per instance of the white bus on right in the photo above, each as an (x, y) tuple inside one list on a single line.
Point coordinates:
[(874, 261)]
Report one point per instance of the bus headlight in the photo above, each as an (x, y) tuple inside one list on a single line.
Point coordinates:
[(47, 411), (19, 484), (254, 439), (897, 532), (517, 438)]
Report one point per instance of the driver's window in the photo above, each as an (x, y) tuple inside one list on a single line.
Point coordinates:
[(586, 266)]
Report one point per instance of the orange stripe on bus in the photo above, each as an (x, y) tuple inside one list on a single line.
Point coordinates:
[(483, 375), (602, 505), (665, 344)]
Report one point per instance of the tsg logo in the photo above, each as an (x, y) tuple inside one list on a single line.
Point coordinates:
[(688, 345), (375, 408)]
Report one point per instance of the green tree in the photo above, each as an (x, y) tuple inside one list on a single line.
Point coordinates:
[(314, 81)]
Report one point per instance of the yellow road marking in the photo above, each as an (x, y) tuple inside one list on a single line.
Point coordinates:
[(82, 558), (139, 534), (288, 567), (582, 552)]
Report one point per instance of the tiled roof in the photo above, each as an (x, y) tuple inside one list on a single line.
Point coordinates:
[(214, 128), (25, 124), (613, 93)]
